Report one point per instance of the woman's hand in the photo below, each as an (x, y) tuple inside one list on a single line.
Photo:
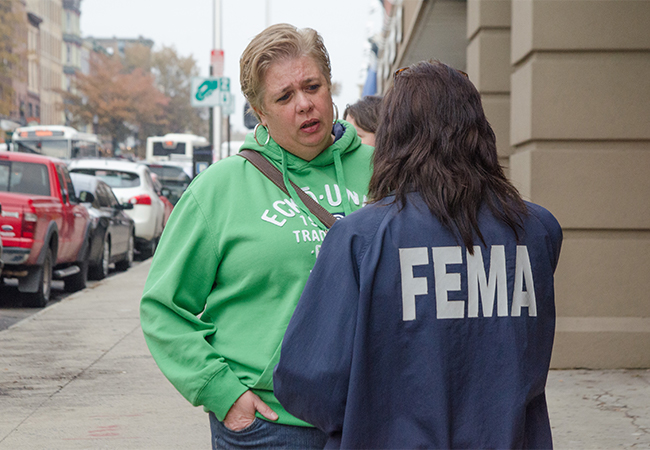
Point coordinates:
[(242, 412)]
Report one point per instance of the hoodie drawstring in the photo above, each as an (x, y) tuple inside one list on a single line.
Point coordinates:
[(293, 194), (340, 181)]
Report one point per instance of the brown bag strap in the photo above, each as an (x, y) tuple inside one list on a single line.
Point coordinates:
[(273, 174)]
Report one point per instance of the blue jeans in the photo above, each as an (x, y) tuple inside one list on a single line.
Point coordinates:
[(264, 434)]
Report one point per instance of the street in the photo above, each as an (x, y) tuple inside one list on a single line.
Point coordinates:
[(12, 310)]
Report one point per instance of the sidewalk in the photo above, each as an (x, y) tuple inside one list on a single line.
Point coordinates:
[(78, 375)]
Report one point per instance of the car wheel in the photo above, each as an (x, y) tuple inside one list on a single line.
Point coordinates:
[(128, 259), (77, 282), (100, 270), (40, 298), (149, 248)]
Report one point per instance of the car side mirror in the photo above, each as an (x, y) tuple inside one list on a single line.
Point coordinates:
[(86, 197), (126, 205), (166, 192)]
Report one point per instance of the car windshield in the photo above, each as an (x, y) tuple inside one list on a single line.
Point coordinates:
[(114, 178), (24, 178), (168, 147)]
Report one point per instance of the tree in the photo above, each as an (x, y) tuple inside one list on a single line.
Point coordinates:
[(174, 75), (13, 45), (137, 56), (143, 94), (119, 104), (150, 112)]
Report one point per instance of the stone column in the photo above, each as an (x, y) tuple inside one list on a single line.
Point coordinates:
[(488, 65), (580, 115)]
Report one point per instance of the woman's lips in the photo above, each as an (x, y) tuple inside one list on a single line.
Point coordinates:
[(310, 126)]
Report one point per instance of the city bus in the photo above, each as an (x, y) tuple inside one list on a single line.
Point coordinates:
[(56, 140), (192, 152)]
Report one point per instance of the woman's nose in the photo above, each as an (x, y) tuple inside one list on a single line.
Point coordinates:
[(304, 103)]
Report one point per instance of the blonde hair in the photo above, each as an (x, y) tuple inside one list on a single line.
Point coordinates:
[(276, 43)]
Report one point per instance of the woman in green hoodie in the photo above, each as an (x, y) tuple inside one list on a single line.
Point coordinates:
[(237, 251)]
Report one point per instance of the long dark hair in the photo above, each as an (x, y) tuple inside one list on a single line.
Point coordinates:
[(433, 138)]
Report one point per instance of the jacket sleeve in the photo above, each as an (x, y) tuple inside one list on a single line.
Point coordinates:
[(553, 229), (311, 378), (181, 277)]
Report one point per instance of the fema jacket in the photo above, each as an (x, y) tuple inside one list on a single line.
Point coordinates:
[(402, 339)]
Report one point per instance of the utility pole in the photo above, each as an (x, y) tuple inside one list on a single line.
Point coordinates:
[(216, 121)]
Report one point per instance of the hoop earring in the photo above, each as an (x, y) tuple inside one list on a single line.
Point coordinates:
[(336, 108), (268, 135)]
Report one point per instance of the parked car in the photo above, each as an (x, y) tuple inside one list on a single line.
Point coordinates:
[(1, 261), (171, 176), (131, 182), (44, 228), (164, 195), (112, 231)]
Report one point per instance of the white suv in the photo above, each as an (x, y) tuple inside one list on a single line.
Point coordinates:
[(131, 182)]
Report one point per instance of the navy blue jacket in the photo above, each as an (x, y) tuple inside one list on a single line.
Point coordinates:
[(402, 339)]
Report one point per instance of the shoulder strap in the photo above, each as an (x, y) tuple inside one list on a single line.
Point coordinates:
[(273, 174)]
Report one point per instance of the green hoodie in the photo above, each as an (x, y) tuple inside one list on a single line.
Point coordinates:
[(231, 265)]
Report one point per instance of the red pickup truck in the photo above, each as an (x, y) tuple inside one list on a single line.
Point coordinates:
[(43, 227)]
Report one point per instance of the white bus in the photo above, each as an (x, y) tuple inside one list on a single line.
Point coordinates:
[(56, 140), (192, 152)]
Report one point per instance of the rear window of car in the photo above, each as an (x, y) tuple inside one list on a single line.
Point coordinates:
[(24, 178), (114, 178), (170, 176)]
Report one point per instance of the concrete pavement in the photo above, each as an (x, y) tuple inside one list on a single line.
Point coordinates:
[(78, 375)]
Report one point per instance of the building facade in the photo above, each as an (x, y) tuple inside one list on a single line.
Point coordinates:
[(565, 87), (72, 42), (33, 69), (118, 46), (50, 13)]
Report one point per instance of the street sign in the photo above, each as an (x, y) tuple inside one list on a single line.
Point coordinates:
[(216, 62), (210, 92), (228, 108)]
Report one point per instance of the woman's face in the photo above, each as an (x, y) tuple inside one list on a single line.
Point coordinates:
[(366, 137), (297, 107)]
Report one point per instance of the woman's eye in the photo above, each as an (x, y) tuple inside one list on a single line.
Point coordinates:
[(284, 98), (313, 87)]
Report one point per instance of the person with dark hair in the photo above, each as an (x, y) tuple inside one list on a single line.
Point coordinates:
[(364, 115), (428, 319), (238, 247)]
